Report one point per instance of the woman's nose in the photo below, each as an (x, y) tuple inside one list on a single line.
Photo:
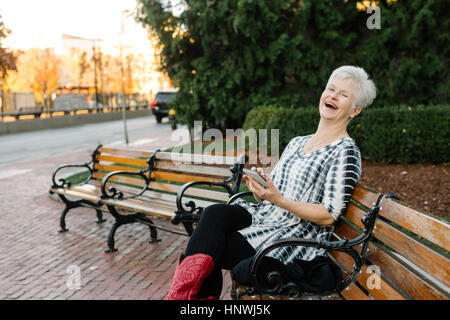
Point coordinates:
[(334, 95)]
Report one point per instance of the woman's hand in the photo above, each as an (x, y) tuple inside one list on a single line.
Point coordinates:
[(271, 193), (313, 212)]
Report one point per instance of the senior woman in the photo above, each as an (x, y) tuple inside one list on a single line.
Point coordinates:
[(307, 191)]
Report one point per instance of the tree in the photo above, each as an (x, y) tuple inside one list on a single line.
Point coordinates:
[(228, 56), (128, 74), (38, 70), (409, 55), (46, 75), (83, 66), (7, 61)]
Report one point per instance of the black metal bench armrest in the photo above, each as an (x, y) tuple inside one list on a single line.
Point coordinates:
[(193, 212), (114, 193), (239, 195), (276, 278), (145, 174), (344, 245), (88, 165)]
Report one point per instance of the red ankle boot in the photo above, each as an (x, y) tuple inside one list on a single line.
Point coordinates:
[(189, 275)]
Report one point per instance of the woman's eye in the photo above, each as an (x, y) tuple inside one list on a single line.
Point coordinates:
[(331, 89)]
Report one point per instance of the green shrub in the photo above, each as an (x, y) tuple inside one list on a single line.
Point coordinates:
[(400, 134)]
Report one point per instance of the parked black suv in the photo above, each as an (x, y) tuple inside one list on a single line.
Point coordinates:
[(161, 105)]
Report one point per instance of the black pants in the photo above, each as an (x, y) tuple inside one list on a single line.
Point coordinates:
[(216, 235)]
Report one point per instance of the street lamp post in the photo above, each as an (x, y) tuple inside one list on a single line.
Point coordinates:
[(95, 74), (122, 31), (123, 97)]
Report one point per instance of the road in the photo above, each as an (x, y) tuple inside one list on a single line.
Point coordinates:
[(42, 143)]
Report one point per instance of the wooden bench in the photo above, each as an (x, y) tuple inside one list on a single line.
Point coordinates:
[(134, 186), (404, 256)]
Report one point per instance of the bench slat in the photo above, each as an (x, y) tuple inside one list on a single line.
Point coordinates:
[(150, 198), (171, 198), (177, 177), (352, 292), (121, 179), (405, 279), (110, 168), (414, 251), (141, 163), (196, 169), (77, 194), (129, 204), (196, 192), (173, 189), (87, 188), (364, 195), (354, 214), (190, 158), (186, 158), (126, 152), (393, 269), (428, 227), (151, 206), (152, 201), (384, 292)]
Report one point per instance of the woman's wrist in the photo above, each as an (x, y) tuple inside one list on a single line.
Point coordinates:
[(279, 201)]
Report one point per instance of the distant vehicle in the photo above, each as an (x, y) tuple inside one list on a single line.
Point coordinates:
[(161, 106)]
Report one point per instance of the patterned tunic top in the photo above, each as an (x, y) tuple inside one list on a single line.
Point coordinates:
[(326, 176)]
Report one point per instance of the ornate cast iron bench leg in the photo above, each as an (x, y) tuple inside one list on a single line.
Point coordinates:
[(153, 231), (127, 219), (69, 205), (100, 216)]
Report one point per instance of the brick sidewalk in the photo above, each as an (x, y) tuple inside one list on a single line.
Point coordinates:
[(35, 259)]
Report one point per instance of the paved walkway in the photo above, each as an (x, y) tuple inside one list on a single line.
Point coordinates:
[(38, 262)]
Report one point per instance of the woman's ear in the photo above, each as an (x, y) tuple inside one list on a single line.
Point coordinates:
[(355, 112)]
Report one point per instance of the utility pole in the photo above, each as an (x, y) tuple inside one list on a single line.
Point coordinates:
[(95, 73), (122, 32)]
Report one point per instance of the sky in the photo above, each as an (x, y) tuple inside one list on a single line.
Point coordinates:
[(40, 23)]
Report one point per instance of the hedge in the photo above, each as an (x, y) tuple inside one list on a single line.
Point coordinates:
[(398, 134)]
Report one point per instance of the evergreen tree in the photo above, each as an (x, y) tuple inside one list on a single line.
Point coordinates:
[(409, 55), (228, 56)]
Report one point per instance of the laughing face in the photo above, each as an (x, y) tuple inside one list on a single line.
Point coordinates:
[(338, 100)]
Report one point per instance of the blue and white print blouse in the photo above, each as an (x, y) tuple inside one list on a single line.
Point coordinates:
[(326, 176)]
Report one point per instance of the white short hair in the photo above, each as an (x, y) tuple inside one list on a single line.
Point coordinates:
[(366, 90)]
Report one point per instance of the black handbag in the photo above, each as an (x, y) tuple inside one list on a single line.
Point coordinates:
[(318, 275)]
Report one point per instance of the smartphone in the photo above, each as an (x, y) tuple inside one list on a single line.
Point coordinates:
[(256, 176)]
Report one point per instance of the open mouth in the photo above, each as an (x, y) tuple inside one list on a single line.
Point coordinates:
[(330, 105)]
